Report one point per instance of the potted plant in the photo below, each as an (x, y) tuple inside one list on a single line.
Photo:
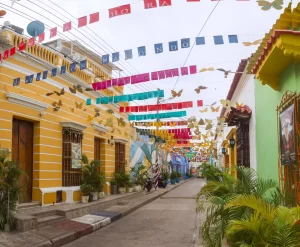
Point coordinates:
[(165, 177), (101, 183), (113, 187), (122, 179), (86, 190), (178, 177), (138, 177), (173, 177), (129, 187)]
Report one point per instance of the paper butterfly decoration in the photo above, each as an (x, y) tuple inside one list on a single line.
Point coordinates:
[(62, 92), (97, 112), (256, 42), (201, 122), (209, 121), (207, 69), (173, 124), (197, 132), (198, 89), (221, 120), (72, 109), (174, 94), (121, 122), (110, 111), (208, 126), (226, 72), (238, 105), (78, 106), (90, 118), (2, 13), (277, 4), (225, 103), (192, 119), (56, 105), (76, 88), (191, 125), (202, 111), (215, 109)]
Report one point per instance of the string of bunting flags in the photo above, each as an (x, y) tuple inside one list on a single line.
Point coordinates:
[(161, 107), (128, 97), (157, 116), (161, 124)]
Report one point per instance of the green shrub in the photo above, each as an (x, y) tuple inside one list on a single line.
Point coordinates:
[(173, 175), (122, 179), (86, 189)]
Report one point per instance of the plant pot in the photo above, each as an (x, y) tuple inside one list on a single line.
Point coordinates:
[(166, 182), (121, 190), (129, 190), (90, 198), (85, 199), (173, 181), (101, 195), (95, 196), (177, 180), (137, 188), (114, 189)]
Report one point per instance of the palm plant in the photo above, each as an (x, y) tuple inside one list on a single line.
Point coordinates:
[(91, 173), (215, 195), (138, 175), (10, 187), (268, 225)]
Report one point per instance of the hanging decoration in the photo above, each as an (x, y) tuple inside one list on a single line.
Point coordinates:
[(225, 103), (153, 76), (160, 107), (62, 92), (128, 97), (175, 94), (265, 5), (256, 42), (204, 110), (57, 105), (198, 89), (161, 124), (110, 111), (206, 69), (156, 116)]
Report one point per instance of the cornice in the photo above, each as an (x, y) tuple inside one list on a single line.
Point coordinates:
[(73, 125), (100, 127), (121, 140)]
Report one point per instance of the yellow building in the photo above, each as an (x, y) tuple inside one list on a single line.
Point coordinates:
[(230, 156), (41, 135)]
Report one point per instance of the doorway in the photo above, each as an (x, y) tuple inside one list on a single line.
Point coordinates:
[(119, 157), (22, 154)]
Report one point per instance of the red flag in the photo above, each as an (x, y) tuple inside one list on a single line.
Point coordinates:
[(199, 103), (94, 17), (5, 54), (184, 71), (41, 37), (12, 51), (82, 21), (67, 26), (168, 73), (175, 72), (121, 10), (163, 3), (193, 69), (53, 32), (154, 76), (149, 4), (121, 108), (31, 42), (22, 46), (127, 109)]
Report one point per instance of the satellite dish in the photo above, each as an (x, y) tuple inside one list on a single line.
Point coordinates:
[(6, 24), (35, 28)]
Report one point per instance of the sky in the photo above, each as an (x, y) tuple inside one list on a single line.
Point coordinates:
[(146, 27)]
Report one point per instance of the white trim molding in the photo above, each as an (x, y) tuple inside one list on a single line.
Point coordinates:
[(121, 140), (73, 125), (100, 127), (28, 102)]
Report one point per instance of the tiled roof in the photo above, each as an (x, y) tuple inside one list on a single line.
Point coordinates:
[(238, 114)]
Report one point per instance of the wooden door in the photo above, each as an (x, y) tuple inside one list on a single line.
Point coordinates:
[(117, 158), (120, 158), (22, 154), (97, 149)]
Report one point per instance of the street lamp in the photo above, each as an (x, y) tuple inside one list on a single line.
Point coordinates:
[(224, 150), (231, 142)]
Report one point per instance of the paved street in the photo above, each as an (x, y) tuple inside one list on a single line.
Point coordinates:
[(169, 221)]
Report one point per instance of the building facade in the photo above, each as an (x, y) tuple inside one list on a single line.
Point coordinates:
[(47, 124)]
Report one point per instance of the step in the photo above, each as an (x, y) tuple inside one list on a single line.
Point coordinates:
[(27, 205), (47, 213), (49, 220)]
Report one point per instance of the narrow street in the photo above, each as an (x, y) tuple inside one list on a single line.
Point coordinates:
[(169, 221)]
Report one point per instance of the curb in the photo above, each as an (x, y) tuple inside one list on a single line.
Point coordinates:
[(87, 228)]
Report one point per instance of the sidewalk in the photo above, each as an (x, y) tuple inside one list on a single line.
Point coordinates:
[(69, 230)]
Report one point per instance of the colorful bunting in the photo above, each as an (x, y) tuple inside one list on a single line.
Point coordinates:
[(82, 21), (82, 65), (29, 79), (41, 37), (156, 116), (149, 4), (161, 107), (67, 26), (16, 82), (53, 32), (121, 10), (94, 17), (161, 124)]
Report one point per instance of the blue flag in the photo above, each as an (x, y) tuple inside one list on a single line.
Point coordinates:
[(128, 54), (173, 46), (45, 74), (38, 76), (218, 40), (158, 48), (185, 43), (200, 41), (82, 64), (29, 79), (105, 59), (53, 72), (16, 82), (63, 69), (142, 51), (72, 67), (116, 57), (233, 39)]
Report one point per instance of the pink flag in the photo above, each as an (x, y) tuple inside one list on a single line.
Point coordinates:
[(31, 42), (108, 83), (149, 4), (154, 76), (22, 46), (133, 79), (94, 17), (41, 37), (82, 21), (193, 69), (161, 74), (184, 71), (175, 72), (53, 32), (67, 26), (168, 73), (94, 85), (121, 10), (199, 103), (121, 82), (114, 82), (163, 3), (146, 77), (127, 80)]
